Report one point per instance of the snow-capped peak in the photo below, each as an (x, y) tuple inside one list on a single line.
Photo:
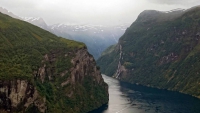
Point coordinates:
[(31, 19), (174, 10)]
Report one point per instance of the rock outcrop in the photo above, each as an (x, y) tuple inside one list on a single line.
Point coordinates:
[(19, 94)]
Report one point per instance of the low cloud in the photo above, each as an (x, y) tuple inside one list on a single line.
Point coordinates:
[(177, 2), (105, 12)]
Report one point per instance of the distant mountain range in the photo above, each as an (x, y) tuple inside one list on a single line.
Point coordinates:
[(96, 37), (36, 21), (5, 11)]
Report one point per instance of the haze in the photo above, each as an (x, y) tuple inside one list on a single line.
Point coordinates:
[(101, 12)]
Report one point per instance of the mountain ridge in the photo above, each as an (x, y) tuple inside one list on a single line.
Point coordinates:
[(96, 37), (40, 72)]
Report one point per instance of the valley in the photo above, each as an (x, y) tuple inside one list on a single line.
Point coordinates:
[(96, 37), (53, 56)]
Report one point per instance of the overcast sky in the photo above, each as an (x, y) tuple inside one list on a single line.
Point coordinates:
[(101, 12)]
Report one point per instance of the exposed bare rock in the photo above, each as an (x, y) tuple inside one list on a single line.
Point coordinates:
[(19, 92), (83, 65), (23, 93)]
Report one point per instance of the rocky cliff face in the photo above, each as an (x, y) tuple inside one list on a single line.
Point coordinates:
[(20, 95), (83, 65), (40, 72), (159, 52)]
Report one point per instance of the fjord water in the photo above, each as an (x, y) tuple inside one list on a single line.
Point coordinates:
[(129, 98)]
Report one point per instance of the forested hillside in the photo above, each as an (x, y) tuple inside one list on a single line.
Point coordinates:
[(160, 49), (40, 72)]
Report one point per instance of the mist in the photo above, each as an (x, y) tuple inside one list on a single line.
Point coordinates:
[(101, 12)]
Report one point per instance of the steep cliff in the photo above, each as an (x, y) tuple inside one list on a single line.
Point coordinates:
[(160, 49), (40, 72)]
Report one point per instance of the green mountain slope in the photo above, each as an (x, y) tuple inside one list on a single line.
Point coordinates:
[(159, 51), (40, 72)]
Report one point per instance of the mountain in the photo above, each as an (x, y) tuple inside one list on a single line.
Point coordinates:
[(160, 49), (5, 11), (36, 21), (40, 72), (96, 37)]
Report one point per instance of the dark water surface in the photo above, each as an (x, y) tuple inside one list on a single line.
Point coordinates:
[(129, 98)]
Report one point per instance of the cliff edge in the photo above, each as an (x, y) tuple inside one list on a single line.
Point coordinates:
[(40, 72)]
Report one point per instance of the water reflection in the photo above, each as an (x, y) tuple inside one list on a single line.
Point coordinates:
[(128, 98)]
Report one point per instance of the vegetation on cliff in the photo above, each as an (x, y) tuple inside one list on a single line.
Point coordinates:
[(159, 52), (64, 80)]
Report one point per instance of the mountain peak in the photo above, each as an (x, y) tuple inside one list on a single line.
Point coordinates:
[(157, 16), (38, 21), (5, 11), (32, 18)]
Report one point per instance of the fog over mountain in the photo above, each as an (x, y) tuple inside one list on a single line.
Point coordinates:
[(176, 2), (101, 12), (96, 37)]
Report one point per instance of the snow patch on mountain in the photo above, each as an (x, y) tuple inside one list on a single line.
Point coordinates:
[(174, 10)]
